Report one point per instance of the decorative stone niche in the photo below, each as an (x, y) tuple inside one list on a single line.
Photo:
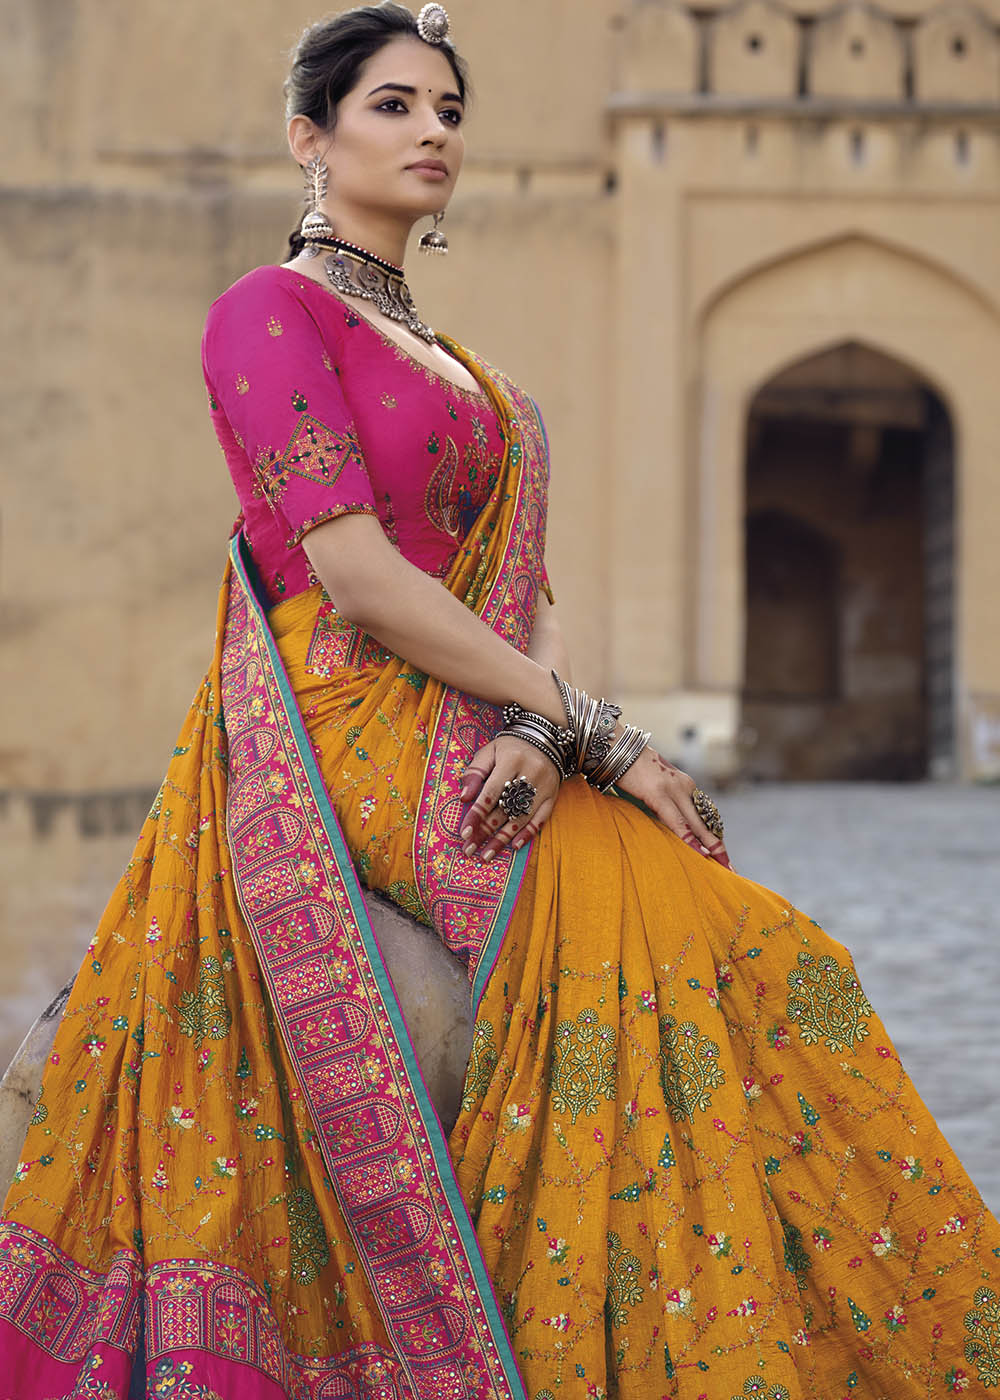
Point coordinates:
[(754, 51), (659, 49), (956, 57), (856, 52)]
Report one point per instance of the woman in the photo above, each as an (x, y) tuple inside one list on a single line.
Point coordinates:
[(687, 1163)]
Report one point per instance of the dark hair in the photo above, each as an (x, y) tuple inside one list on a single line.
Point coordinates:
[(328, 57)]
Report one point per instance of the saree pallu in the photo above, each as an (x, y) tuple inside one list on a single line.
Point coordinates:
[(235, 1182), (688, 1162)]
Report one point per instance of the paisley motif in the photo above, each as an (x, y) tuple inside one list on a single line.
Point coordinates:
[(982, 1347), (204, 1012), (482, 1064), (583, 1064), (826, 1003), (689, 1068), (624, 1273)]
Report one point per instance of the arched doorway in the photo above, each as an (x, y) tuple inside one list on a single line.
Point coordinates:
[(848, 557)]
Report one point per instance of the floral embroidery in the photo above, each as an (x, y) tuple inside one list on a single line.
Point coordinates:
[(624, 1288), (758, 1388), (797, 1260), (242, 384), (482, 1064), (689, 1068), (827, 1003), (337, 645), (204, 1012), (274, 326), (314, 451), (309, 1247), (982, 1348), (583, 1065), (457, 488)]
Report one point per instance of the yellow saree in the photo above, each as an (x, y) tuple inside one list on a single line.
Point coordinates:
[(688, 1162)]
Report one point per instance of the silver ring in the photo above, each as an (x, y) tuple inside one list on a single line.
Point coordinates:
[(708, 812), (517, 797)]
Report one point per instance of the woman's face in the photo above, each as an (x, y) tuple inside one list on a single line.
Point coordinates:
[(397, 144)]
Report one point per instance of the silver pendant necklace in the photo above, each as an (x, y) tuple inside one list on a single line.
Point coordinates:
[(354, 272)]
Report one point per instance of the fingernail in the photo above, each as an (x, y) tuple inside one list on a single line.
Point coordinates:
[(488, 855), (465, 833), (516, 845), (470, 849)]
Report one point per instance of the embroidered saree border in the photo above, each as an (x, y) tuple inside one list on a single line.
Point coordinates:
[(204, 1321), (382, 1144), (470, 904)]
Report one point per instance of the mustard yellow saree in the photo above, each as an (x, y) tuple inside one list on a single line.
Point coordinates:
[(688, 1162)]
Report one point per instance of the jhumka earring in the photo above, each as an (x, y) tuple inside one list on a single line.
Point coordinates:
[(433, 241), (315, 224)]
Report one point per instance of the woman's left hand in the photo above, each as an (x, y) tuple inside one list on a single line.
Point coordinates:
[(486, 828), (669, 794)]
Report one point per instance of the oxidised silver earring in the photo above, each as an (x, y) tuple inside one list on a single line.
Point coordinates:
[(315, 224), (434, 241)]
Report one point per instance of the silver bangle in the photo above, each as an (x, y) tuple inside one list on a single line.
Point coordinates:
[(619, 760), (553, 740), (592, 723)]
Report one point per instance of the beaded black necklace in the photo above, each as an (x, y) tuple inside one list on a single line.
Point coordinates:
[(355, 272)]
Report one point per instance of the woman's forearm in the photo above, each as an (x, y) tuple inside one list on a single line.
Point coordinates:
[(548, 645), (379, 591)]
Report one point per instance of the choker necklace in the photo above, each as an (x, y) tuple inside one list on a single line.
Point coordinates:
[(355, 272)]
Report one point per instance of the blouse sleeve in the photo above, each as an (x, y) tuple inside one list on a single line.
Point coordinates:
[(267, 369)]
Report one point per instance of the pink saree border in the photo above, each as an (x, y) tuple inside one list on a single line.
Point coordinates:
[(468, 903), (68, 1331), (382, 1144)]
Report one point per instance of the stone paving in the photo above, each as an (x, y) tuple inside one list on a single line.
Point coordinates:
[(908, 878)]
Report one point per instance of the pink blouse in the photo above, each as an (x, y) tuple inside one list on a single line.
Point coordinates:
[(320, 414)]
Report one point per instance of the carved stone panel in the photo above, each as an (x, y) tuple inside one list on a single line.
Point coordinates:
[(856, 52), (659, 49), (754, 51), (956, 56)]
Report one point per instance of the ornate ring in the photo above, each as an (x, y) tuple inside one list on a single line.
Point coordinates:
[(432, 24), (517, 797), (708, 812)]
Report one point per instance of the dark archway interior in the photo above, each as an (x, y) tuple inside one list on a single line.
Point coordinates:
[(849, 543)]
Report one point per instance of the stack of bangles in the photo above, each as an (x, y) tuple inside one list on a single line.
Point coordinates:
[(586, 743)]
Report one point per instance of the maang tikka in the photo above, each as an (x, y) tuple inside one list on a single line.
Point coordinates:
[(433, 241), (315, 224)]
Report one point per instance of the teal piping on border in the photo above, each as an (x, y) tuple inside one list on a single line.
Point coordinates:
[(432, 1125), (493, 941)]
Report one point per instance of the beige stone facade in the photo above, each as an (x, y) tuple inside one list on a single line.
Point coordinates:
[(746, 259)]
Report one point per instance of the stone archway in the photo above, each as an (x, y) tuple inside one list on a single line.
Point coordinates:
[(848, 494), (855, 289)]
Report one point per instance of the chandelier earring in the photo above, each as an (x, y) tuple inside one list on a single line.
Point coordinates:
[(433, 241), (315, 225)]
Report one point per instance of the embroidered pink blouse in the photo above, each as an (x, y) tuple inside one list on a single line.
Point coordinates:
[(319, 414)]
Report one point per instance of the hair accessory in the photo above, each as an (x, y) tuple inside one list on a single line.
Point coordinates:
[(432, 241), (315, 225), (517, 797), (432, 24)]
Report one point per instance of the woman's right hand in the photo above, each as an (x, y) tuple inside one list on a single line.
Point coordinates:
[(486, 828), (667, 792)]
